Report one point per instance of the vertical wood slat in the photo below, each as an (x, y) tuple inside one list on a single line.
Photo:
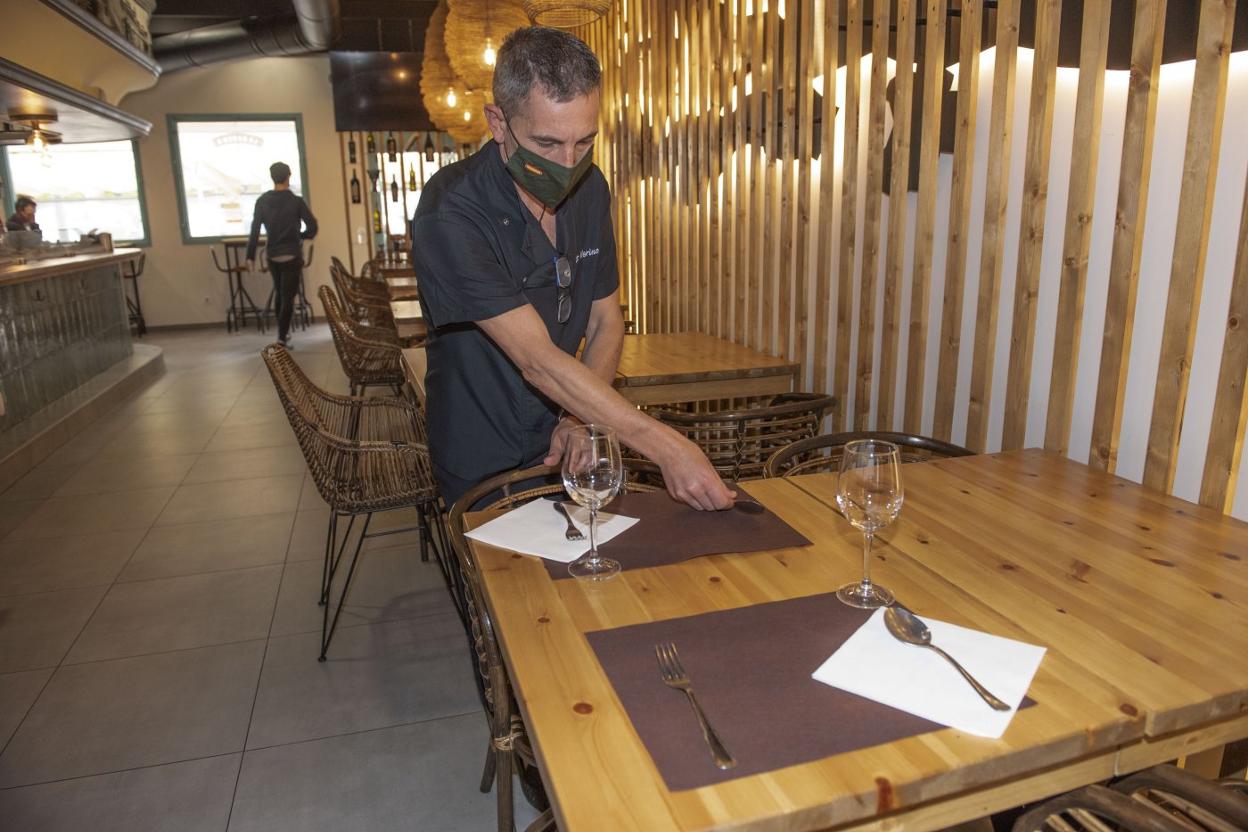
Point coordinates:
[(721, 248), (1191, 242), (1031, 228), (849, 207), (959, 219), (787, 89), (827, 194), (996, 198), (684, 198), (744, 45), (805, 118), (758, 189), (1224, 453), (925, 212), (897, 198), (697, 154), (667, 114), (872, 208), (1078, 239), (771, 192), (1124, 264)]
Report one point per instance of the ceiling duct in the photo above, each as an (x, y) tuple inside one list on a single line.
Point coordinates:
[(313, 29)]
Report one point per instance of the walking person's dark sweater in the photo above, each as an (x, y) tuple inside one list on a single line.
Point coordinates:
[(281, 212)]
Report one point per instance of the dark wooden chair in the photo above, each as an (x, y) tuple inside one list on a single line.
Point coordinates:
[(1095, 809), (510, 751), (370, 357), (365, 456), (1176, 793), (738, 442), (823, 453)]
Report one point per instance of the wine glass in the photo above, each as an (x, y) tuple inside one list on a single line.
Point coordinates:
[(870, 496), (592, 473)]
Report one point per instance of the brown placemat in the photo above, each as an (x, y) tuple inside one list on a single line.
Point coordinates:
[(671, 532), (750, 669)]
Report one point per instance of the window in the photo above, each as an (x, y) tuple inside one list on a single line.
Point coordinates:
[(221, 165), (79, 187)]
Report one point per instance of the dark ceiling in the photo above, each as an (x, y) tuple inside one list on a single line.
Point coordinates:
[(367, 25)]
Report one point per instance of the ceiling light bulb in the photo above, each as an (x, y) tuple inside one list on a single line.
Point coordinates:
[(490, 56), (38, 142), (451, 99), (467, 116)]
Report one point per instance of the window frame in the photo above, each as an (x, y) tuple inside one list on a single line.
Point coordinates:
[(10, 194), (175, 159)]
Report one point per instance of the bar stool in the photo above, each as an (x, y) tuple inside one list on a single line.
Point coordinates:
[(130, 271), (241, 303)]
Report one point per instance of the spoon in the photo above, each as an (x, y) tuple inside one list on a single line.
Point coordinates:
[(908, 627), (748, 506)]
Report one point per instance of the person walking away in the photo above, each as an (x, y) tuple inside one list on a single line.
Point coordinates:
[(287, 222)]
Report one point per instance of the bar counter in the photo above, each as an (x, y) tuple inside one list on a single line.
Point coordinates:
[(62, 322)]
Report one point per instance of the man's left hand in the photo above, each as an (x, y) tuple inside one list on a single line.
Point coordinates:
[(559, 439)]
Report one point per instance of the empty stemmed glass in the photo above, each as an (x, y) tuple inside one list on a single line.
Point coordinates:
[(592, 473), (870, 497)]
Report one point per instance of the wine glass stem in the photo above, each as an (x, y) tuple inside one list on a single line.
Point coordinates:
[(866, 559), (593, 545)]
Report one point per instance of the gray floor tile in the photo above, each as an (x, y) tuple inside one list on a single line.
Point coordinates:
[(37, 630), (413, 777), (86, 514), (65, 562), (18, 692), (161, 443), (266, 434), (39, 483), (216, 405), (376, 675), (212, 546), (388, 584), (194, 796), (179, 613), (15, 512), (239, 498), (247, 464), (177, 706), (107, 474), (310, 498), (307, 538)]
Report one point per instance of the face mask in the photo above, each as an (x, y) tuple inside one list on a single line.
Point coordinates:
[(550, 182)]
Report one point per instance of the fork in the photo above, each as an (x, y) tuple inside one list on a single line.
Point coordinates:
[(674, 676), (573, 533)]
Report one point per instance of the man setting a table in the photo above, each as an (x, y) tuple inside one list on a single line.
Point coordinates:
[(516, 257)]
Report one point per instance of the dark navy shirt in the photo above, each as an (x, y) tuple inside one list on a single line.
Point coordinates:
[(478, 252)]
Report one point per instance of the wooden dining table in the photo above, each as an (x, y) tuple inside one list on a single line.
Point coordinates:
[(1140, 599), (665, 368)]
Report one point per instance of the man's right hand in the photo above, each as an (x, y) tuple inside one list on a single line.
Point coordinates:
[(692, 479)]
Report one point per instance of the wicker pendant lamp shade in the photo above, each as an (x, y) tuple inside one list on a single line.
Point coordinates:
[(470, 27), (566, 14), (437, 79)]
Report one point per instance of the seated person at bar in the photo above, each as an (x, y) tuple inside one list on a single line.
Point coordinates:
[(23, 218), (516, 258), (281, 211)]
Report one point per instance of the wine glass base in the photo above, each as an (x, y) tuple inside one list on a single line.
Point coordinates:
[(864, 596), (594, 569)]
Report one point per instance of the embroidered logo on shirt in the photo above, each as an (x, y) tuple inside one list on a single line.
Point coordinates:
[(586, 252)]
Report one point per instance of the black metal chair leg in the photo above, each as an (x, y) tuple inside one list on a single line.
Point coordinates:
[(328, 627), (331, 541), (332, 564)]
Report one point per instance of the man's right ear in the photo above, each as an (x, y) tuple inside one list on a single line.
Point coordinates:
[(496, 121)]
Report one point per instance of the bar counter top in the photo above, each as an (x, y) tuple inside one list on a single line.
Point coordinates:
[(52, 266)]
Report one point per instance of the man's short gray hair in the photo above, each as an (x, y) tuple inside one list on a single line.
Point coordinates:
[(552, 60)]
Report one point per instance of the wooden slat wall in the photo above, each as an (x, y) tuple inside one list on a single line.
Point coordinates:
[(736, 216)]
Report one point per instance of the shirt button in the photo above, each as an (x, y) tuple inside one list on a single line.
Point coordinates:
[(506, 221)]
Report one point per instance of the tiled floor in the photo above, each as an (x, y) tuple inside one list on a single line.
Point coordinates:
[(159, 630)]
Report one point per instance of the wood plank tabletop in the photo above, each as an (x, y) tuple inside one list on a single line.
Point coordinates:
[(406, 311), (660, 368), (415, 364), (1141, 600), (401, 282)]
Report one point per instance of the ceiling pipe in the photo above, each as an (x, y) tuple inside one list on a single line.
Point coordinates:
[(313, 29)]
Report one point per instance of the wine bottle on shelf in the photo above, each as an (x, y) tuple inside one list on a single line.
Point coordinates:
[(411, 177), (376, 221), (355, 188), (392, 148), (394, 189), (351, 149), (371, 144)]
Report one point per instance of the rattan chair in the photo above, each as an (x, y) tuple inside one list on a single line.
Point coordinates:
[(370, 291), (823, 453), (1095, 809), (738, 442), (1182, 795), (365, 456), (510, 751), (369, 357)]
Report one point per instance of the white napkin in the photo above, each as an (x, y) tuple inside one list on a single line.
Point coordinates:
[(874, 664), (536, 528)]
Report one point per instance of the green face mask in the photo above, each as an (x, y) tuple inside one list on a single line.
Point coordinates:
[(550, 182)]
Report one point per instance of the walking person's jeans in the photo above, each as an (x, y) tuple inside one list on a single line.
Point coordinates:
[(285, 288)]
